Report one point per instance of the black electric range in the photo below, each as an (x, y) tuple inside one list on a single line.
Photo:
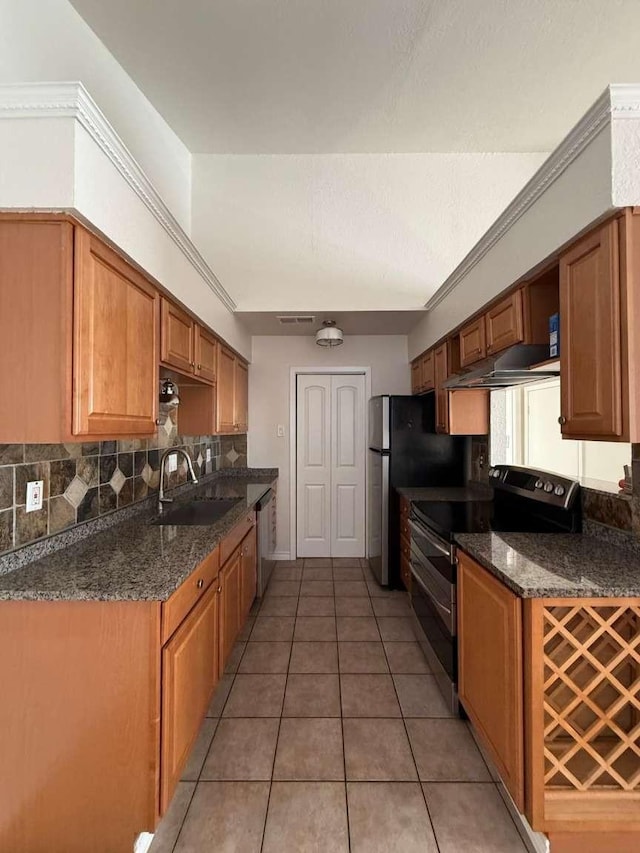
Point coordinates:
[(524, 500)]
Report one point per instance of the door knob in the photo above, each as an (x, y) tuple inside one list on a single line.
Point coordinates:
[(562, 420)]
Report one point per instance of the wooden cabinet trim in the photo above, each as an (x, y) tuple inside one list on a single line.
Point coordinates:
[(235, 536), (206, 355), (182, 358), (473, 343), (176, 608), (505, 323)]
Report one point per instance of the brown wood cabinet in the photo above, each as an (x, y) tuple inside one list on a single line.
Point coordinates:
[(206, 354), (491, 674), (177, 337), (189, 675), (80, 355), (441, 372), (230, 590), (233, 392), (416, 376), (405, 543), (428, 371), (505, 323), (473, 344), (241, 395), (463, 412), (249, 550)]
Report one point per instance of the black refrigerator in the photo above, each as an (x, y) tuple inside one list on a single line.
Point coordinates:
[(405, 450)]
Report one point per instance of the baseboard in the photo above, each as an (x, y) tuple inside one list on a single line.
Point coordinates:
[(281, 555)]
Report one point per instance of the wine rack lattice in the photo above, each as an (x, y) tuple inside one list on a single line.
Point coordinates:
[(592, 697)]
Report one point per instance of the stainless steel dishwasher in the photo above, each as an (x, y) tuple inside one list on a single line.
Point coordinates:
[(266, 508)]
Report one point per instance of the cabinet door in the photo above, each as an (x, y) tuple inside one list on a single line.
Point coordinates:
[(177, 338), (205, 355), (230, 592), (428, 375), (491, 677), (115, 344), (441, 372), (590, 338), (505, 323), (249, 573), (473, 345), (189, 675), (225, 390), (416, 376), (241, 396)]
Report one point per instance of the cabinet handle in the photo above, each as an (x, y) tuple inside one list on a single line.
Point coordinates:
[(219, 589), (562, 420), (199, 367), (200, 583)]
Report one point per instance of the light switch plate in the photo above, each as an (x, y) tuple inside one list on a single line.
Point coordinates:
[(280, 431), (34, 495), (172, 462)]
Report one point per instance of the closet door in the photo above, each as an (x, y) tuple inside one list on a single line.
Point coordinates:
[(347, 466), (313, 490)]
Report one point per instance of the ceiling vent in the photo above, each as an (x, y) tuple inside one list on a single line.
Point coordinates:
[(299, 319)]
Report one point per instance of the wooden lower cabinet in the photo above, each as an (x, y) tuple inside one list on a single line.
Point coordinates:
[(230, 586), (249, 585), (491, 680), (405, 543), (189, 676)]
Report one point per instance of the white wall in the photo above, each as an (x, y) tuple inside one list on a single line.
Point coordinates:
[(46, 40), (269, 388), (346, 232)]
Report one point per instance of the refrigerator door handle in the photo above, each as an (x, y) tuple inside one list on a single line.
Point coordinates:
[(385, 519)]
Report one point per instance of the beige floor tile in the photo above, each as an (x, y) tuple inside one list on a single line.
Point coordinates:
[(256, 696), (243, 636), (283, 588), (354, 607), (312, 696), (471, 817), (169, 827), (235, 657), (227, 817), (319, 562), (389, 816), (420, 696), (288, 564), (406, 658), (377, 750), (444, 751), (346, 562), (309, 750), (362, 657), (352, 589), (392, 606), (287, 573), (308, 817), (315, 628), (199, 750), (279, 606), (273, 629), (220, 695), (396, 628), (316, 588), (348, 574), (318, 574), (317, 657), (357, 628), (316, 606), (263, 658), (242, 750), (368, 696), (377, 591)]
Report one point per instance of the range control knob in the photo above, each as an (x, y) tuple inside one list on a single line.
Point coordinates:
[(539, 484), (491, 472), (559, 491), (496, 473), (548, 487)]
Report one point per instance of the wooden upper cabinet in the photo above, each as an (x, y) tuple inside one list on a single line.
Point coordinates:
[(428, 371), (177, 337), (241, 396), (206, 354), (473, 344), (115, 344), (225, 395), (441, 372), (590, 337), (416, 376), (505, 323), (490, 652)]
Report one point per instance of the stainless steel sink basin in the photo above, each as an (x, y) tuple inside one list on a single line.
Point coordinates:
[(198, 511)]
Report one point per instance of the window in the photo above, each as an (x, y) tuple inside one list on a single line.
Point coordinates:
[(525, 431)]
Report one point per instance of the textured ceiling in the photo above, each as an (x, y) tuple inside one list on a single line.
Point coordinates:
[(313, 76)]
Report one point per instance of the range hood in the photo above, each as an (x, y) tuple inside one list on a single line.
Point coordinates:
[(510, 367)]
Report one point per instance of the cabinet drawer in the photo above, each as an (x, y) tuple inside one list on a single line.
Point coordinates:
[(235, 536), (505, 323), (188, 594), (473, 343)]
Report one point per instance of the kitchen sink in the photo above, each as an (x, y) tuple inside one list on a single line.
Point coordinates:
[(198, 511)]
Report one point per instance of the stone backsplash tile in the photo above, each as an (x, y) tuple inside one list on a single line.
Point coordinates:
[(84, 481)]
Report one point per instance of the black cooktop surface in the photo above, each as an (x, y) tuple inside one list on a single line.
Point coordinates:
[(449, 517)]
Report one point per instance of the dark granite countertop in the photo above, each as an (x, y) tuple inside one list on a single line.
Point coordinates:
[(556, 565), (135, 560), (446, 493)]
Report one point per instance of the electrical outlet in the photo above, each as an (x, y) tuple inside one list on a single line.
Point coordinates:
[(280, 431), (34, 495), (208, 454), (172, 463)]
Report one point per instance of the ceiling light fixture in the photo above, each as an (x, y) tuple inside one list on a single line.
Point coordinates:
[(329, 335)]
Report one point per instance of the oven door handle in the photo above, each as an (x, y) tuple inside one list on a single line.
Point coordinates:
[(448, 613), (422, 531)]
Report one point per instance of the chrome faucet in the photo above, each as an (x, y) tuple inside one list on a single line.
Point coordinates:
[(161, 498)]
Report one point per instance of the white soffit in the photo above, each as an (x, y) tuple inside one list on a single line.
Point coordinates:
[(617, 102), (71, 100), (351, 322)]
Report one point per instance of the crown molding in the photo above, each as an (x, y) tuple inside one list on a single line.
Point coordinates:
[(621, 101), (71, 100)]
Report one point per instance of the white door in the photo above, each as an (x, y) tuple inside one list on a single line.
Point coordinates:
[(330, 487)]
